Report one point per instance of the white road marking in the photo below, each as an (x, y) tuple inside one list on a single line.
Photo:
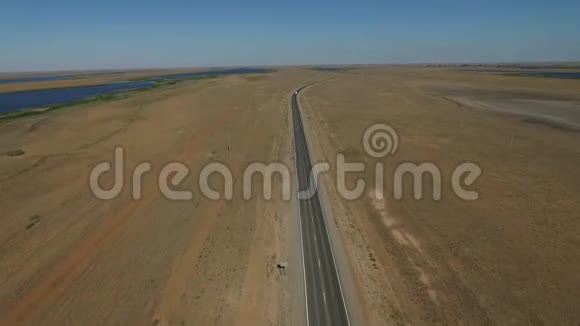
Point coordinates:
[(335, 268), (300, 223), (325, 227), (331, 250)]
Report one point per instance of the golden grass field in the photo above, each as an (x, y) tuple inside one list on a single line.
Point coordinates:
[(510, 257)]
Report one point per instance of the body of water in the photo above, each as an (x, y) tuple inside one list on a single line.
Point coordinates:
[(216, 72), (44, 78), (565, 75), (549, 74), (230, 71), (10, 102), (331, 69), (33, 79)]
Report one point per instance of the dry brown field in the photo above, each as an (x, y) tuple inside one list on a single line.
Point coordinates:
[(510, 257), (68, 258)]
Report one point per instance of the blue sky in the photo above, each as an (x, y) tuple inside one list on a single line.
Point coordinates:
[(58, 35)]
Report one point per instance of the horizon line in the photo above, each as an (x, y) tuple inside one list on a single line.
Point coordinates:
[(136, 69)]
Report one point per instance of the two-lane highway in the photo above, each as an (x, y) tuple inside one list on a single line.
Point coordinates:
[(325, 303)]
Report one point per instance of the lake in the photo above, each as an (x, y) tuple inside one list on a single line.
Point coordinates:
[(549, 74), (10, 102), (565, 75), (216, 72), (33, 79), (229, 71)]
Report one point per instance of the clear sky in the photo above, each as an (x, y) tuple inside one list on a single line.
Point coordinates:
[(101, 34)]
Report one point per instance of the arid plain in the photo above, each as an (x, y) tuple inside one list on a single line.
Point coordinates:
[(510, 257), (67, 257)]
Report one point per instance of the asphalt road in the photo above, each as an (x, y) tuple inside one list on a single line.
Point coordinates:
[(325, 303)]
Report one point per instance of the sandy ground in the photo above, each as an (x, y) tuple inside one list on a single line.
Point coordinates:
[(68, 258), (510, 257), (559, 109)]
